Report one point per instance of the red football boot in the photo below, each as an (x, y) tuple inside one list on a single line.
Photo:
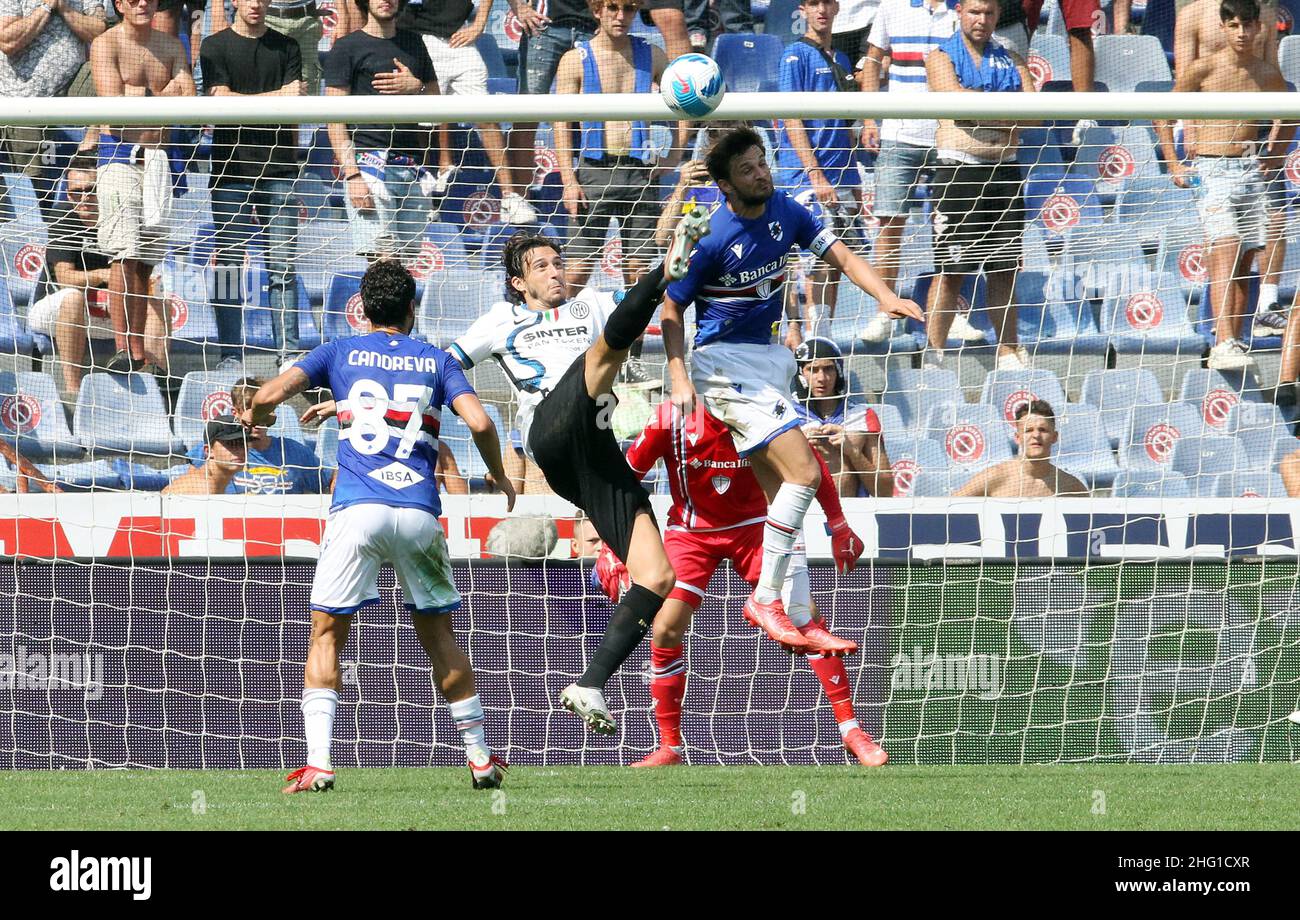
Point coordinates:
[(309, 779), (664, 757), (860, 745), (821, 639), (488, 775), (772, 620)]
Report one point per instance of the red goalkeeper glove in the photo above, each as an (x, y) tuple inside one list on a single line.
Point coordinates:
[(612, 574), (846, 546)]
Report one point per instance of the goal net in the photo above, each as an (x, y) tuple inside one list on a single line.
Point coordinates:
[(1155, 619)]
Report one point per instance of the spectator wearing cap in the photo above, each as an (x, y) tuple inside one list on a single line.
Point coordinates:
[(225, 453), (846, 435), (1031, 474), (275, 465)]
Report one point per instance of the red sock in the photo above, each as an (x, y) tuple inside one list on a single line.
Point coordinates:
[(667, 687), (827, 494), (835, 681)]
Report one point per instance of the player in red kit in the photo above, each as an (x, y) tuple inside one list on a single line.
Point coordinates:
[(718, 514)]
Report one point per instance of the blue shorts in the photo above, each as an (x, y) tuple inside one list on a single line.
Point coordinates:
[(899, 169)]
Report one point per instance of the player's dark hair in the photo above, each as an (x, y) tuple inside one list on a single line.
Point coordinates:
[(726, 148), (364, 6), (387, 292), (1039, 406), (1243, 10), (512, 257)]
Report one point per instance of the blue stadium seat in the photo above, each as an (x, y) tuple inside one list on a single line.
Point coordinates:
[(916, 392), (972, 301), (891, 420), (1288, 58), (140, 477), (1115, 156), (1060, 202), (19, 205), (508, 45), (123, 414), (185, 293), (1007, 391), (325, 247), (203, 396), (32, 417), (938, 483), (749, 61), (1083, 448), (258, 330), (445, 246), (342, 316), (974, 436), (1051, 319), (785, 21), (1214, 393), (452, 301), (1049, 57), (1124, 61), (1260, 427), (23, 252), (1181, 258), (1149, 205), (1151, 322), (1150, 483), (1201, 459), (90, 476), (1248, 485), (1115, 393), (457, 436), (14, 337), (327, 444), (912, 455), (1152, 432)]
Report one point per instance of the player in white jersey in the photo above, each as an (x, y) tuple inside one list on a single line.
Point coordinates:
[(562, 356), (735, 280), (389, 391)]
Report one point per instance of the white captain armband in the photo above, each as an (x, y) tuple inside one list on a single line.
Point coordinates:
[(822, 242)]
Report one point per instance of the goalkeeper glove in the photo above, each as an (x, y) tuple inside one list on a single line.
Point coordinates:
[(846, 546), (612, 574)]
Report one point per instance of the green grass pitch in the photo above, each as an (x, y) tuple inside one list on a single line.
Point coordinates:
[(1092, 797)]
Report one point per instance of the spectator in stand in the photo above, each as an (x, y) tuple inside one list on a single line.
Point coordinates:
[(1017, 20), (586, 543), (608, 172), (1032, 474), (254, 170), (545, 40), (815, 156), (733, 16), (225, 454), (1234, 178), (850, 30), (27, 472), (300, 20), (905, 32), (72, 301), (272, 465), (380, 164), (135, 177), (449, 37), (526, 477), (856, 458), (44, 46), (1289, 467), (669, 17), (1199, 34), (979, 211)]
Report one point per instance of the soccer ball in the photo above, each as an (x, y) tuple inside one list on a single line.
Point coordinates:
[(692, 85)]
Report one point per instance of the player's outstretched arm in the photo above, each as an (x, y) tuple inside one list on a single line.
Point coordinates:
[(672, 325), (859, 271), (261, 411), (484, 431)]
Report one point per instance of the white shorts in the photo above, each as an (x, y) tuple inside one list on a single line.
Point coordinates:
[(460, 71), (1234, 199), (43, 315), (359, 538), (748, 388)]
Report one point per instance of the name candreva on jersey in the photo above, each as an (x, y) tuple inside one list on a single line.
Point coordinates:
[(417, 363)]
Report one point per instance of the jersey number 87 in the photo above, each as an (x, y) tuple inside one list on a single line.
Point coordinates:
[(370, 403)]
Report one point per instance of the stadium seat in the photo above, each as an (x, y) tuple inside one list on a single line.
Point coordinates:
[(14, 337), (972, 302), (1007, 391), (1153, 431), (327, 444), (784, 21), (1181, 259), (1114, 157), (342, 315), (916, 392), (457, 436), (938, 483), (123, 414), (83, 477), (749, 61), (1124, 61), (1214, 393), (32, 417), (185, 293), (1083, 448), (1115, 393), (445, 247), (1150, 205), (325, 247), (452, 301), (1106, 258), (1202, 458), (1288, 59), (1051, 320), (974, 436), (140, 477), (20, 205), (259, 332), (891, 420), (1151, 322), (911, 456), (1049, 57), (1260, 427), (1060, 202), (1150, 483), (203, 396), (1248, 485), (23, 252)]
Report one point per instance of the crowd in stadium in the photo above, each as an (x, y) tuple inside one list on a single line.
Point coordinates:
[(170, 254)]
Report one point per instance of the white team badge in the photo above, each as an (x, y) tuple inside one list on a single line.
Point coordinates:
[(396, 475), (579, 310), (774, 228), (693, 437), (738, 250), (721, 484)]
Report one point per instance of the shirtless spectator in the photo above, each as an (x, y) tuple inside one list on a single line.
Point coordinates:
[(1032, 474), (134, 59), (225, 454), (1234, 176)]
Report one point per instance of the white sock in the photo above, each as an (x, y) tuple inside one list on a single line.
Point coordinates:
[(1267, 295), (846, 727), (468, 715), (784, 522), (318, 708), (795, 591)]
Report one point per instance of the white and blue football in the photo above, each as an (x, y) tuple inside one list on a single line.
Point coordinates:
[(692, 85)]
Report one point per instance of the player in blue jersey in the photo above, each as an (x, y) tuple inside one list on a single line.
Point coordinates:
[(735, 279), (389, 391)]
